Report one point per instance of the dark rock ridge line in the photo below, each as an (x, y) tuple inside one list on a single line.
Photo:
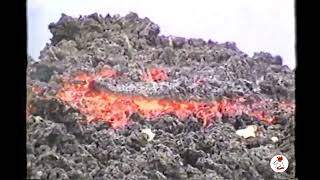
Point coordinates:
[(224, 69)]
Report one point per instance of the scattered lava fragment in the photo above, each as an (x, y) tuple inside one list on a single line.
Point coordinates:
[(115, 109), (155, 74), (37, 90)]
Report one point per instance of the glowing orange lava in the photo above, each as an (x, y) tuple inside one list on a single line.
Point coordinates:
[(116, 109), (155, 74)]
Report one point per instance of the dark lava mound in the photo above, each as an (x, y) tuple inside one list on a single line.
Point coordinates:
[(113, 99)]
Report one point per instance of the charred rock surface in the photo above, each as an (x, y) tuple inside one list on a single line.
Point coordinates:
[(61, 146)]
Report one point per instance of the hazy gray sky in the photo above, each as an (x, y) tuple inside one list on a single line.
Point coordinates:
[(255, 25)]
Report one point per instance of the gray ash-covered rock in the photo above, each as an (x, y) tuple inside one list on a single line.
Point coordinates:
[(129, 44), (61, 146)]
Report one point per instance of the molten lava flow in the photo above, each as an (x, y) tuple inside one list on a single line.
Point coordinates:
[(116, 109)]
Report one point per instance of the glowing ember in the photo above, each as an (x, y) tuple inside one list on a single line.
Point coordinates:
[(116, 109), (155, 74), (37, 90)]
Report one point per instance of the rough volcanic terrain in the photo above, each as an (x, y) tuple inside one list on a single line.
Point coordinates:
[(112, 99)]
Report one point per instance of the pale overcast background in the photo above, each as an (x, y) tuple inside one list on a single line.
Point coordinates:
[(255, 25)]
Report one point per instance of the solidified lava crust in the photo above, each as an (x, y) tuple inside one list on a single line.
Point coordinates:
[(103, 82)]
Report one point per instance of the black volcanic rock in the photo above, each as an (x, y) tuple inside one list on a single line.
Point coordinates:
[(60, 146)]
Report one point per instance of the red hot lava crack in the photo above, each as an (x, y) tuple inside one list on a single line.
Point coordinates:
[(116, 109)]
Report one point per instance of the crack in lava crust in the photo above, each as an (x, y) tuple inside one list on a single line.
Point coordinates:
[(116, 109)]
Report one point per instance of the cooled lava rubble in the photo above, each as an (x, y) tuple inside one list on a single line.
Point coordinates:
[(102, 81)]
